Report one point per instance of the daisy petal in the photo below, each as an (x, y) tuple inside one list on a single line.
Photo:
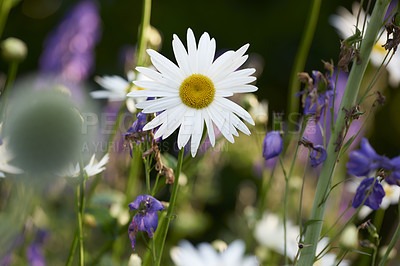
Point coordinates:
[(165, 66), (235, 108), (210, 128), (197, 133)]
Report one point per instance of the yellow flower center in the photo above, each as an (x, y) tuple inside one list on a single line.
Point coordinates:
[(197, 91)]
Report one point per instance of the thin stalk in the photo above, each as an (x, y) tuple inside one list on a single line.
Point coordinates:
[(395, 238), (353, 84), (143, 39), (12, 73), (285, 200), (72, 249), (301, 195), (266, 184), (80, 227), (172, 202), (300, 62)]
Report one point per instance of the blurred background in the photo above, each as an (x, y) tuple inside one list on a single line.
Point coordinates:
[(227, 181)]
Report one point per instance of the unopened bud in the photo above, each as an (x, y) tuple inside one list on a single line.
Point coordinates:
[(13, 49), (349, 238)]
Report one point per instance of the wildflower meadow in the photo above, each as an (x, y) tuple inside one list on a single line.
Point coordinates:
[(199, 133)]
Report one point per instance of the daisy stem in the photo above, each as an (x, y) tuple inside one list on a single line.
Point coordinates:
[(160, 240), (78, 191), (298, 66), (349, 98)]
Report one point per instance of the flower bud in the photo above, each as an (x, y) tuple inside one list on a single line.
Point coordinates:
[(273, 145), (349, 237), (13, 49)]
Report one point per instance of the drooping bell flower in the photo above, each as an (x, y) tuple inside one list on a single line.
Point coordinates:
[(273, 145), (146, 219)]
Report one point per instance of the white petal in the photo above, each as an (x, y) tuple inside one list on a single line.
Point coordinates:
[(206, 52), (150, 93), (156, 76), (192, 51), (239, 124), (113, 96), (235, 108), (165, 66), (154, 86), (112, 83), (181, 55), (242, 89), (197, 132), (170, 124), (234, 82), (219, 121), (186, 128), (210, 128), (162, 104)]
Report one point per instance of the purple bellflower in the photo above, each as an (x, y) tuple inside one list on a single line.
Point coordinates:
[(374, 199), (135, 132), (146, 219), (68, 50), (365, 159), (273, 145), (318, 155)]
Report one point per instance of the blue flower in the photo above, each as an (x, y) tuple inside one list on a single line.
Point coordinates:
[(135, 132), (146, 219), (374, 199), (317, 155), (394, 176), (273, 145), (365, 159)]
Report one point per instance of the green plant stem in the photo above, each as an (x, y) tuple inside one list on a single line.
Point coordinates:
[(72, 249), (349, 98), (160, 240), (299, 63), (12, 73), (143, 39), (5, 7), (394, 240), (80, 225), (266, 184)]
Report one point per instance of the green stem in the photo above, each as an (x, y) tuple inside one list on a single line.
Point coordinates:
[(12, 73), (160, 240), (394, 240), (349, 98), (143, 39), (299, 64), (5, 7), (72, 249), (80, 225)]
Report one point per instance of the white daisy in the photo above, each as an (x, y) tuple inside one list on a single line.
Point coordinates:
[(116, 89), (193, 92), (93, 168), (345, 23), (205, 255), (5, 157)]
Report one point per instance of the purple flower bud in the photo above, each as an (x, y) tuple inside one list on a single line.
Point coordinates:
[(317, 155), (374, 199), (273, 145), (364, 160), (146, 219)]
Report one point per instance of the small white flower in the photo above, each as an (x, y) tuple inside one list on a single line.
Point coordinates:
[(194, 91), (5, 157), (205, 255), (345, 24), (116, 89), (93, 168)]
